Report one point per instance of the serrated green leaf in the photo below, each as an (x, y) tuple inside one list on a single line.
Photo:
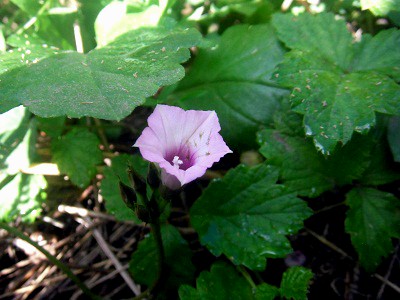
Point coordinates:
[(110, 187), (223, 282), (306, 171), (372, 221), (394, 137), (21, 195), (334, 83), (295, 282), (380, 54), (77, 154), (106, 83), (308, 32), (265, 291), (233, 78), (336, 104), (246, 216), (144, 262)]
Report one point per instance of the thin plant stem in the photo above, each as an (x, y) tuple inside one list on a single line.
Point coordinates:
[(247, 276), (102, 134), (67, 271), (156, 229)]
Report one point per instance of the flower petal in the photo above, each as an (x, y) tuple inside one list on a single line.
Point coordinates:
[(190, 137), (215, 151), (149, 146)]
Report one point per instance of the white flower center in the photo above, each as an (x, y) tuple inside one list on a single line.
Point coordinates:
[(176, 162)]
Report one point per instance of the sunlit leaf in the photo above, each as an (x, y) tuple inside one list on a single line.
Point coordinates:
[(106, 83), (21, 196), (17, 140), (114, 20), (380, 7), (3, 45)]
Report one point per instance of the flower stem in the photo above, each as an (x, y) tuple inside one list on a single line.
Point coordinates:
[(154, 212), (156, 229), (67, 271)]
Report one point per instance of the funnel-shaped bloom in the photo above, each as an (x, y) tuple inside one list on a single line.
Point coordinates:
[(183, 143)]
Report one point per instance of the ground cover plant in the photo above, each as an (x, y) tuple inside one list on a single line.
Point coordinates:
[(219, 149)]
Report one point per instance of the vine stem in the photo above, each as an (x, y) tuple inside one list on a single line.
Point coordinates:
[(67, 271)]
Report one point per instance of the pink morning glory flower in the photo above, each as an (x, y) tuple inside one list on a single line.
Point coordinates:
[(184, 144)]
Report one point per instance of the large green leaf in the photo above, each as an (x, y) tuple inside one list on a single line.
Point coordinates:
[(144, 263), (106, 83), (21, 196), (246, 216), (77, 154), (337, 85), (372, 221), (233, 78), (306, 171), (223, 282), (110, 184)]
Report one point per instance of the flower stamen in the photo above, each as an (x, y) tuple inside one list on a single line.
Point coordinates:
[(176, 162)]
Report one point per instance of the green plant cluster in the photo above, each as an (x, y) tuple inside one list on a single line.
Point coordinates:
[(312, 88)]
